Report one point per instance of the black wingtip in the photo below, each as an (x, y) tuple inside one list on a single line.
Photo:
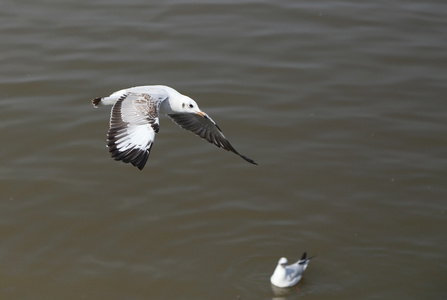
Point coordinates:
[(248, 159), (137, 157), (305, 259), (304, 256)]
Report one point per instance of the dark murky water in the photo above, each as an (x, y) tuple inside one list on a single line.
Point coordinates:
[(342, 104)]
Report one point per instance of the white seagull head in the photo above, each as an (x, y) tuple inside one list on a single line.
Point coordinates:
[(282, 261), (189, 106)]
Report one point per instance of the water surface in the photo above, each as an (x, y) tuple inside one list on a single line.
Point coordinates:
[(341, 103)]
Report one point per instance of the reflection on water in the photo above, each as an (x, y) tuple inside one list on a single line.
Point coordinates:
[(282, 293), (339, 103)]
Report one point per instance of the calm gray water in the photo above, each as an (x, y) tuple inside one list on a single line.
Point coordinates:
[(342, 104)]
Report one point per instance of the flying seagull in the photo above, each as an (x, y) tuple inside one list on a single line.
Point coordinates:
[(286, 276), (134, 121)]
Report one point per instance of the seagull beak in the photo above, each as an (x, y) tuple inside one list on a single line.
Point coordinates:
[(202, 114)]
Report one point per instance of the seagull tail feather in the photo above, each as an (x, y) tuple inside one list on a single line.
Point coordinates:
[(96, 102)]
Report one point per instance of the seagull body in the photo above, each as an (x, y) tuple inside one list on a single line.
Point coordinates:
[(287, 276), (134, 121)]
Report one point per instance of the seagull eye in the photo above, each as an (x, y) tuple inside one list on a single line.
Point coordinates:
[(183, 105), (191, 106)]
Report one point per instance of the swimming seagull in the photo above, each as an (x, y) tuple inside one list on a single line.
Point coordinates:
[(286, 276), (134, 121)]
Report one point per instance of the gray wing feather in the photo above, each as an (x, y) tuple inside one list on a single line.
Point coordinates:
[(207, 129), (133, 125)]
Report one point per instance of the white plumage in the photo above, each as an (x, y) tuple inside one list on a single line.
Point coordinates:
[(286, 276), (134, 121)]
